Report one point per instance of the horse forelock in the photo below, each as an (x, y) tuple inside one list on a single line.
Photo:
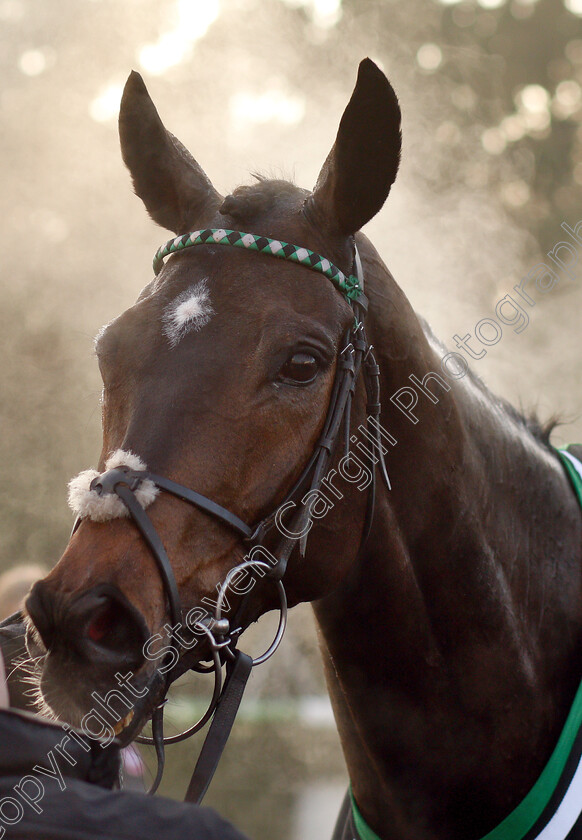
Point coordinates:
[(247, 203)]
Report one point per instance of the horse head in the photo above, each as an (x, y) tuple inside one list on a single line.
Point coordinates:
[(219, 379)]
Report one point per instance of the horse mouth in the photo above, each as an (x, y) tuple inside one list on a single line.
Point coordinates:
[(68, 691), (92, 720), (123, 724)]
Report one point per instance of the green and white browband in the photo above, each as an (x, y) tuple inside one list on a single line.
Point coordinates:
[(347, 285)]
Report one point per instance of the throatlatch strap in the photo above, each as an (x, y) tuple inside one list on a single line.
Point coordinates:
[(220, 727)]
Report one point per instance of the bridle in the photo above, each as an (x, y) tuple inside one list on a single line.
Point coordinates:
[(220, 632)]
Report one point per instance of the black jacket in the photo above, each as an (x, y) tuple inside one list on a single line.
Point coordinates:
[(72, 799)]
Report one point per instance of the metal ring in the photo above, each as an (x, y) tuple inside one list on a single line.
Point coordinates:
[(280, 629), (173, 739), (282, 605)]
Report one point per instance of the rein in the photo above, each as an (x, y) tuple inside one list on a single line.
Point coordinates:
[(222, 633)]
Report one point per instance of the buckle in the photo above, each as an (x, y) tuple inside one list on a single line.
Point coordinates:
[(108, 481)]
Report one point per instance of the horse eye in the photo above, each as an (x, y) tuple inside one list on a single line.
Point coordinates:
[(300, 369)]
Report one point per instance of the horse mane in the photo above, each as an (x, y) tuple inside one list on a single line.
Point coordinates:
[(528, 419)]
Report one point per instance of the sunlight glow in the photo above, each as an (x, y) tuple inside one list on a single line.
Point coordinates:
[(533, 99), (515, 193), (271, 106), (32, 62), (569, 93), (533, 104), (491, 4), (574, 6), (539, 122), (532, 117), (429, 56), (323, 13), (513, 127), (193, 20), (105, 106), (567, 100)]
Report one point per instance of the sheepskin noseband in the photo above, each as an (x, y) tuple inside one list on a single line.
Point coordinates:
[(88, 504)]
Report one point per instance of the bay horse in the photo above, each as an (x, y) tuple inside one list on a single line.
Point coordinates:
[(449, 604)]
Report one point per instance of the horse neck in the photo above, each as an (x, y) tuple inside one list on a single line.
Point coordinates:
[(451, 646)]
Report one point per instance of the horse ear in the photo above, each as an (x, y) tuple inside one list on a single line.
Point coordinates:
[(360, 169), (177, 193)]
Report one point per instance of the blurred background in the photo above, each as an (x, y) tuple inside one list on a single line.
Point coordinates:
[(491, 92)]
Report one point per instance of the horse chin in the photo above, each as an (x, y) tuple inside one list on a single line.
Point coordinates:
[(95, 715)]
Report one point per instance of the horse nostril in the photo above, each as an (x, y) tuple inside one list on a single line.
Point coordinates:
[(112, 629), (40, 606), (102, 624)]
